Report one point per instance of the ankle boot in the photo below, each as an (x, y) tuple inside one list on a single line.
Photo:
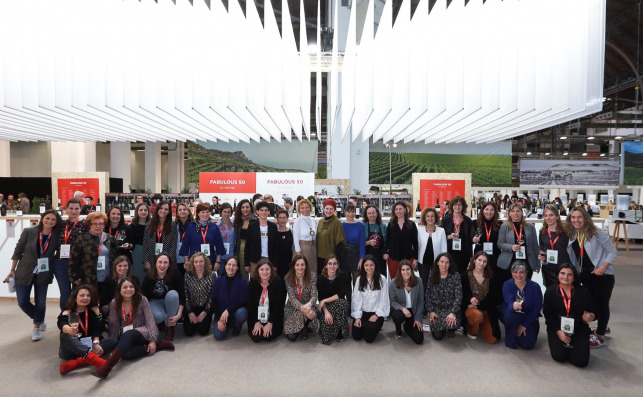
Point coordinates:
[(106, 368), (164, 345), (71, 365), (169, 333), (93, 360)]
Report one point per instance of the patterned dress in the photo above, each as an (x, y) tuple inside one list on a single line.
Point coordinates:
[(443, 299), (339, 309), (294, 319)]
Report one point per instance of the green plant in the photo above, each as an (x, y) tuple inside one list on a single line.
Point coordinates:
[(357, 192), (324, 192), (185, 190), (167, 188), (340, 189), (35, 205), (148, 191)]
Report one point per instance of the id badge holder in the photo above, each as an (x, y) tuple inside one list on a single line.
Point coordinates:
[(65, 249), (457, 244), (487, 248), (262, 314), (131, 213), (128, 328), (567, 324), (522, 254), (100, 264), (158, 248), (552, 256), (43, 265), (227, 248), (86, 341), (205, 248)]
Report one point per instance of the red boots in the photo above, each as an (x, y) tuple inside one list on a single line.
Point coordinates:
[(106, 368), (71, 365)]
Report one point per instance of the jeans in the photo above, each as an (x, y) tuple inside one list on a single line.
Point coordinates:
[(238, 318), (167, 307), (35, 311), (62, 278)]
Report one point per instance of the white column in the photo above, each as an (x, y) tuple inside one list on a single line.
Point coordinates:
[(339, 153), (5, 159), (359, 165), (120, 162), (73, 157), (153, 166), (175, 167)]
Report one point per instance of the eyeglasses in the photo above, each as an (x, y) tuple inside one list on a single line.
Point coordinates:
[(98, 224), (457, 205)]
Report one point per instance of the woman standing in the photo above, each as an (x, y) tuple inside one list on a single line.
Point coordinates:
[(116, 227), (304, 232), (370, 302), (301, 308), (355, 243), (520, 309), (181, 221), (480, 299), (568, 308), (553, 245), (198, 285), (432, 241), (401, 239), (593, 253), (69, 232), (203, 236), (132, 322), (517, 241), (330, 235), (30, 267), (134, 239), (266, 299), (334, 293), (444, 297), (243, 216), (87, 328), (459, 231), (406, 294), (262, 238), (159, 235), (163, 286), (227, 230), (284, 243), (486, 236), (375, 237), (228, 296)]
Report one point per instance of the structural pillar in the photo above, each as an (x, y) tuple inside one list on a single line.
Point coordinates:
[(73, 157), (153, 166), (121, 162), (5, 159), (175, 166)]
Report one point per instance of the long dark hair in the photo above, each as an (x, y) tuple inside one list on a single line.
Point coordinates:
[(488, 272), (153, 273), (121, 223), (325, 270), (290, 276), (435, 269), (363, 281), (59, 221), (394, 219), (71, 302), (136, 298), (117, 261), (255, 271), (167, 224), (399, 280), (238, 218), (495, 225), (136, 220), (378, 219)]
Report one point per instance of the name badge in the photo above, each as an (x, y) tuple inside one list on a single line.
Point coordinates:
[(100, 264), (158, 248), (227, 248), (128, 328), (18, 212), (262, 314), (86, 341), (487, 248), (131, 213), (552, 256), (205, 248), (457, 244), (522, 254), (567, 324), (43, 265), (64, 250)]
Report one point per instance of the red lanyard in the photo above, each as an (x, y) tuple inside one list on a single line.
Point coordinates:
[(110, 232), (488, 232), (264, 295), (130, 313), (43, 250), (300, 288), (100, 243), (223, 232), (581, 242), (86, 327), (204, 234), (518, 235), (68, 234), (457, 226), (567, 301), (159, 234), (552, 243)]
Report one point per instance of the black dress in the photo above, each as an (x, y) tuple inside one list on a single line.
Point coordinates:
[(284, 252), (465, 229)]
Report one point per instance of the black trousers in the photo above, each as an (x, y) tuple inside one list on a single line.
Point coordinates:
[(578, 355), (600, 287), (203, 328), (400, 319), (369, 330), (71, 347), (133, 345)]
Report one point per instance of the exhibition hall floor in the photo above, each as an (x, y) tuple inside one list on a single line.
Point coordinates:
[(455, 367)]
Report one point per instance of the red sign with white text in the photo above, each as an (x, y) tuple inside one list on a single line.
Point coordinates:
[(433, 191), (68, 186), (227, 182)]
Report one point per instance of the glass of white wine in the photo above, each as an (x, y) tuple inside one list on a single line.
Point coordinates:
[(74, 321)]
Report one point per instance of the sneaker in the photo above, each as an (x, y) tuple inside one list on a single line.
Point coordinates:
[(607, 330), (472, 336), (43, 327), (398, 335), (36, 334), (596, 341)]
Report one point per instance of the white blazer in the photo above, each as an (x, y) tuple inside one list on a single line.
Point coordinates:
[(439, 239)]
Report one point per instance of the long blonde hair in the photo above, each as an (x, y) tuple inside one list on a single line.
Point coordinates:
[(509, 222)]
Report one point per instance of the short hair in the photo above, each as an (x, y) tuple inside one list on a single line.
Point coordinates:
[(287, 200), (202, 207), (73, 201), (120, 259), (426, 211), (92, 217), (350, 207), (262, 204), (236, 258), (519, 265), (255, 272), (281, 211), (225, 206), (461, 200), (90, 198), (189, 268), (304, 201)]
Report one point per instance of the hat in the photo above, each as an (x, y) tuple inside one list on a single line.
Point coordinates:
[(331, 202)]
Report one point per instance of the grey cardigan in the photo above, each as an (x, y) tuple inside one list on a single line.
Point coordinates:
[(398, 299), (27, 252), (599, 249), (506, 240)]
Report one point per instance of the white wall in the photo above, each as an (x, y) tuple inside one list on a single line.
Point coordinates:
[(30, 159)]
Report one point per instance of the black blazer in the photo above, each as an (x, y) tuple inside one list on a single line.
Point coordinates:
[(276, 303), (253, 243), (489, 304), (27, 252)]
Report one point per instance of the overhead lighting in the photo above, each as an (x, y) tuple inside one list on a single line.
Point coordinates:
[(528, 153), (565, 154), (584, 154), (547, 154), (618, 137), (589, 138), (602, 154), (563, 137)]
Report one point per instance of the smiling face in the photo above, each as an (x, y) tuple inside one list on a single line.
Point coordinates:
[(204, 215), (429, 218), (263, 213), (457, 207), (84, 298), (163, 210), (481, 262), (566, 277), (183, 212), (114, 217), (245, 209), (199, 264), (350, 215), (143, 211), (331, 267), (73, 210), (304, 209), (97, 226), (369, 268), (400, 210), (488, 212), (406, 272), (49, 222), (122, 268), (231, 267), (226, 214), (443, 264), (329, 210), (300, 268), (282, 220), (162, 264), (516, 214), (127, 290), (371, 214), (265, 272), (550, 218), (519, 276), (577, 219)]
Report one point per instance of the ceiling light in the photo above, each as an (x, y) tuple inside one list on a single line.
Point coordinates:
[(565, 154), (528, 153), (618, 137), (563, 137), (584, 154), (591, 137), (602, 154), (547, 154)]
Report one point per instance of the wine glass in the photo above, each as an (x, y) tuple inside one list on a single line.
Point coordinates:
[(478, 234), (568, 345), (121, 238), (74, 321), (520, 298)]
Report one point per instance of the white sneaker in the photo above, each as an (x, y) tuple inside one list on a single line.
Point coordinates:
[(472, 336), (43, 327), (36, 335)]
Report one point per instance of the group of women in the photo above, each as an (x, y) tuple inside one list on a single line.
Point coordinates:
[(327, 276)]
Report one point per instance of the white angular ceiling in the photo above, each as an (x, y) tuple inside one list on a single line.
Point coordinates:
[(129, 70)]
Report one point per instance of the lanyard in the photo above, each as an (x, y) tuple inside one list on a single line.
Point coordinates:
[(567, 301), (457, 226), (300, 288), (552, 243), (159, 234), (581, 242), (44, 249), (110, 232), (488, 232), (100, 243), (264, 294), (130, 313), (86, 327), (203, 234), (223, 231), (518, 235), (68, 234)]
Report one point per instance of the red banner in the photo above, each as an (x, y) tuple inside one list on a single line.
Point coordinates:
[(433, 191), (227, 182), (67, 187)]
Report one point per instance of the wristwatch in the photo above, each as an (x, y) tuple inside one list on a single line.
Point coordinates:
[(95, 342)]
